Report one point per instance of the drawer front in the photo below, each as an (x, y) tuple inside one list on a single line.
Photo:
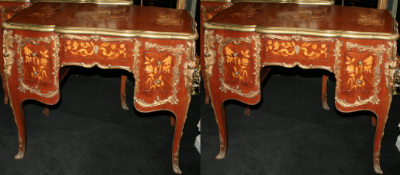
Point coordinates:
[(96, 50), (157, 71), (359, 74), (239, 65), (358, 71), (297, 49), (38, 65)]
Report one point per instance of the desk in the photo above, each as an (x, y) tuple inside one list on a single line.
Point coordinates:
[(360, 51), (9, 8), (159, 51), (209, 8)]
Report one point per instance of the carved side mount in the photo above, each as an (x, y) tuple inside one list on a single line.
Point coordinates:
[(189, 66), (8, 54)]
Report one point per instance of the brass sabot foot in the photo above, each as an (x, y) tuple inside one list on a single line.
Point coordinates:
[(20, 155), (221, 155), (176, 169)]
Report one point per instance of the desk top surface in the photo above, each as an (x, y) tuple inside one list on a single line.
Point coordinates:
[(322, 19), (320, 2), (117, 20), (115, 2)]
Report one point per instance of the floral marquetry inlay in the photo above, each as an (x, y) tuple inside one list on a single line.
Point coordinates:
[(239, 65), (359, 72), (37, 64), (240, 62), (46, 11), (156, 82), (158, 72), (295, 49), (96, 49), (247, 11), (168, 19)]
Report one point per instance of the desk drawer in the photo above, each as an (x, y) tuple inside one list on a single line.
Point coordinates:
[(38, 65), (238, 64), (157, 71), (95, 50), (297, 49), (358, 71)]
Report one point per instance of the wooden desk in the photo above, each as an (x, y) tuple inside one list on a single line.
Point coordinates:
[(159, 51), (9, 8), (209, 8), (360, 51)]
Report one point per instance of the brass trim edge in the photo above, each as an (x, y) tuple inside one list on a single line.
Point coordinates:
[(90, 65), (304, 31), (291, 65)]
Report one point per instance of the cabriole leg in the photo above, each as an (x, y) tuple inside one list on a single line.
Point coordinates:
[(46, 110), (179, 124), (247, 110), (123, 92), (219, 112), (19, 117), (324, 93), (380, 127)]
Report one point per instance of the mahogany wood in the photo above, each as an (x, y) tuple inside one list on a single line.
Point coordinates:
[(364, 68), (163, 68), (324, 92)]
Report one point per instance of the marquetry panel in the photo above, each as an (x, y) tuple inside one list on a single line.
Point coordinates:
[(297, 49), (358, 71), (37, 65), (157, 74), (239, 67), (96, 49)]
